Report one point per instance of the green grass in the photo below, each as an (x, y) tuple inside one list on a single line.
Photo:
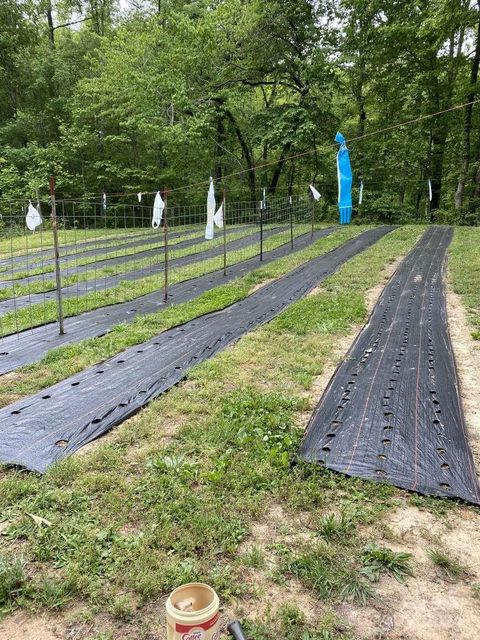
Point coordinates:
[(331, 526), (377, 560), (65, 361), (43, 239), (42, 313), (464, 269), (290, 624), (110, 252), (128, 266), (171, 495), (449, 567), (12, 581)]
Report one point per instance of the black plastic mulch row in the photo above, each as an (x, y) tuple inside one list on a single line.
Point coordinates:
[(45, 257), (31, 345), (43, 428), (106, 282), (104, 260), (392, 411)]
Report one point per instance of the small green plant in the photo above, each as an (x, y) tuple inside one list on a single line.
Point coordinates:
[(381, 559), (12, 582), (123, 607), (291, 617), (476, 590), (331, 526), (355, 588), (449, 566), (254, 558), (177, 464)]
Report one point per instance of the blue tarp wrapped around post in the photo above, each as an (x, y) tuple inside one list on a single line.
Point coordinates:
[(345, 178)]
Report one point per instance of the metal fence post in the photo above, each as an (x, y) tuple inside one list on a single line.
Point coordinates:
[(224, 234), (291, 220), (262, 204), (165, 247), (58, 280), (313, 215)]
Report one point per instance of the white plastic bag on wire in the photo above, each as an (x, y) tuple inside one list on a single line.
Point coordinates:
[(139, 196), (218, 217), (430, 194), (211, 206), (33, 218), (360, 193), (315, 193), (158, 207)]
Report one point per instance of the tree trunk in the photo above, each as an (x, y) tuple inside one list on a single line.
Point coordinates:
[(51, 27), (278, 169), (439, 137), (477, 176), (467, 125), (219, 145), (247, 154)]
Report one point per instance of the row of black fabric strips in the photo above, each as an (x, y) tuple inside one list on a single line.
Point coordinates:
[(101, 246), (41, 429), (31, 345), (106, 282), (392, 410), (117, 257)]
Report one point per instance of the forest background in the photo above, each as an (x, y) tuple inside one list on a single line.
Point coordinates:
[(132, 95)]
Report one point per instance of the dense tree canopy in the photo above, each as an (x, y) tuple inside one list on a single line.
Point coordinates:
[(137, 95)]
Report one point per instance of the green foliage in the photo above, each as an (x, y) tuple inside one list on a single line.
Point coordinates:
[(330, 526), (450, 567), (118, 102), (377, 560), (12, 582), (464, 269)]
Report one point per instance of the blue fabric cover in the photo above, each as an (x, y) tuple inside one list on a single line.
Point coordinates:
[(345, 178)]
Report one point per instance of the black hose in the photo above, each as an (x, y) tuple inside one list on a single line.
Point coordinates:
[(235, 628)]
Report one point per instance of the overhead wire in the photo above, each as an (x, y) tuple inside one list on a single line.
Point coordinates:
[(271, 163)]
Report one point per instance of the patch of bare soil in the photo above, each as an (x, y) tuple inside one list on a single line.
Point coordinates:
[(262, 284), (430, 606), (265, 596), (21, 626), (467, 356)]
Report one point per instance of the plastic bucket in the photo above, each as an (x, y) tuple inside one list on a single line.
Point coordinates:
[(192, 613)]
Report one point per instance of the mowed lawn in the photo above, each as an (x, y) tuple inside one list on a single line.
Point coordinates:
[(201, 485)]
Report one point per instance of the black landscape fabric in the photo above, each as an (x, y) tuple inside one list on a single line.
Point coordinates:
[(18, 350), (154, 251), (43, 428), (81, 248), (101, 283), (392, 410)]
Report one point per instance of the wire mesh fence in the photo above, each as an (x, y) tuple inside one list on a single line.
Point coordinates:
[(107, 252)]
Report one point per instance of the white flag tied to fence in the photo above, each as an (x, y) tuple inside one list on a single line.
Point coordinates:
[(218, 217), (360, 193), (211, 206), (430, 190), (139, 196), (104, 201), (315, 193), (158, 207), (33, 218)]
